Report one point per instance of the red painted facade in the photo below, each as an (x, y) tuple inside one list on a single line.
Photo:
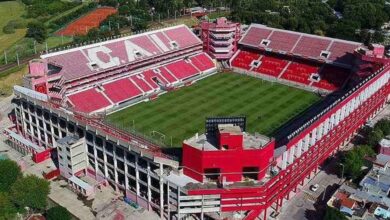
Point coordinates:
[(258, 199), (41, 156), (230, 160)]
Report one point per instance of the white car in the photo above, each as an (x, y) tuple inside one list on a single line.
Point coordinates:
[(314, 187)]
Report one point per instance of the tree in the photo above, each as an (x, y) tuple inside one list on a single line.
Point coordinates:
[(334, 214), (384, 126), (374, 137), (58, 213), (7, 208), (354, 160), (112, 3), (37, 30), (30, 191), (9, 173), (353, 164), (124, 10), (139, 25), (378, 37)]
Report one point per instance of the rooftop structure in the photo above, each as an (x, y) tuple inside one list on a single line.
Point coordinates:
[(384, 146), (377, 182), (220, 38), (219, 157)]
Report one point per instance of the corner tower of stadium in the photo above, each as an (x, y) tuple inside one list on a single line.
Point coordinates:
[(224, 172)]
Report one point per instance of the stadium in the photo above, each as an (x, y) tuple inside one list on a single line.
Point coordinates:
[(225, 125)]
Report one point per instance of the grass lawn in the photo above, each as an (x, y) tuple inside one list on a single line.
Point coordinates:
[(11, 77), (10, 10), (65, 13), (25, 47), (214, 15), (180, 114)]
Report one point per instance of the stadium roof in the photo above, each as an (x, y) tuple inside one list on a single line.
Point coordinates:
[(306, 45), (80, 62)]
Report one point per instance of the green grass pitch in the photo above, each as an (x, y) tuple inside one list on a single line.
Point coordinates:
[(180, 114)]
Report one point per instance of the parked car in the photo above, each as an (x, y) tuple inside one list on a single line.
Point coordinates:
[(314, 187)]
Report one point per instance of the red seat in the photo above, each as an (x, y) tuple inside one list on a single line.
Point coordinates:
[(121, 90), (89, 100)]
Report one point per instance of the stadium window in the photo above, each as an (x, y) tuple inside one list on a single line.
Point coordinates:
[(255, 63), (55, 131), (265, 42), (119, 152), (143, 177), (120, 165), (109, 147), (110, 160), (155, 182), (250, 172), (132, 184), (62, 123), (121, 179), (212, 174), (142, 163), (174, 45), (137, 53), (325, 54), (94, 65), (89, 137), (80, 132), (98, 141), (54, 119), (70, 128), (130, 157), (100, 154), (39, 111), (131, 170)]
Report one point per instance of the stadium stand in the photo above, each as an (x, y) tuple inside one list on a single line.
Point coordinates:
[(303, 72), (153, 79), (142, 84), (183, 37), (89, 100), (311, 46), (145, 87), (256, 36), (182, 69), (168, 76), (121, 90), (244, 59), (296, 57), (271, 65), (99, 57), (300, 72), (202, 62), (282, 41), (332, 77), (121, 70)]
